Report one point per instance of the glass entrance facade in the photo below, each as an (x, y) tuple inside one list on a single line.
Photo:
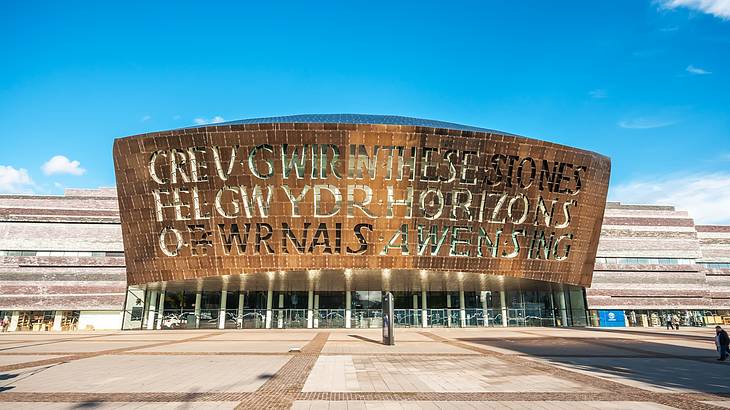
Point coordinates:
[(559, 307)]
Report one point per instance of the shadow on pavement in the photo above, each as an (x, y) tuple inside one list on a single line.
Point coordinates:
[(6, 376), (657, 366), (366, 339), (86, 405)]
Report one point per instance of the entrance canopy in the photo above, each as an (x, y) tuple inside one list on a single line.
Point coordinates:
[(338, 280)]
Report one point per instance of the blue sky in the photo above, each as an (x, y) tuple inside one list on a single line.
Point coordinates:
[(644, 82)]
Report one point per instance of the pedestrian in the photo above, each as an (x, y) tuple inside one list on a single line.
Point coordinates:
[(675, 322), (722, 341), (5, 323), (668, 321)]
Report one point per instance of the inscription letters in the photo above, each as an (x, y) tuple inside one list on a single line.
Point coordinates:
[(448, 203)]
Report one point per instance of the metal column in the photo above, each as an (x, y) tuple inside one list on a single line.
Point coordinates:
[(462, 309), (269, 304), (151, 312), (198, 302), (503, 305), (563, 311), (14, 318), (280, 319), (448, 309), (160, 310), (348, 309), (239, 313), (310, 309), (222, 310), (424, 312), (415, 310), (57, 319)]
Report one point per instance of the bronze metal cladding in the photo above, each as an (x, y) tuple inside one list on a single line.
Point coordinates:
[(254, 198)]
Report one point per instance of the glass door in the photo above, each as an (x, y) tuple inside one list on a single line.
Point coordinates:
[(330, 318), (437, 317)]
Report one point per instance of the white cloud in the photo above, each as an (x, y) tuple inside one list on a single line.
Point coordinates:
[(705, 196), (214, 120), (717, 8), (146, 118), (59, 164), (15, 180), (696, 70), (642, 123), (598, 93)]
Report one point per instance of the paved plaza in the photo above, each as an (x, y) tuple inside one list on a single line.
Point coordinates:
[(535, 368)]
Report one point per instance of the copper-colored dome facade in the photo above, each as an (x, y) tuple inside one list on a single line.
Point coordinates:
[(349, 193)]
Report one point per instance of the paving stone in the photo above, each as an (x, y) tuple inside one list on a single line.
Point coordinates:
[(348, 369)]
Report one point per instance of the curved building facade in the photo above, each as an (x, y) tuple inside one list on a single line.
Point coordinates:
[(304, 221)]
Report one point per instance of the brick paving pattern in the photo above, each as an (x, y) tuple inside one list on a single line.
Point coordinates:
[(428, 368), (280, 391)]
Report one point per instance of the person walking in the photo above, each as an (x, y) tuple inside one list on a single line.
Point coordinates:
[(675, 322), (722, 341), (668, 321), (5, 323)]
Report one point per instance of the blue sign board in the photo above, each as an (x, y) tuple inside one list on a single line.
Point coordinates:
[(611, 318)]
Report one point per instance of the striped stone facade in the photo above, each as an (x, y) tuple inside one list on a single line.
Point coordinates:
[(715, 261), (650, 258), (62, 254)]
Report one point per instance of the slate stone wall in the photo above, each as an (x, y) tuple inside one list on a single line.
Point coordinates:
[(81, 220)]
